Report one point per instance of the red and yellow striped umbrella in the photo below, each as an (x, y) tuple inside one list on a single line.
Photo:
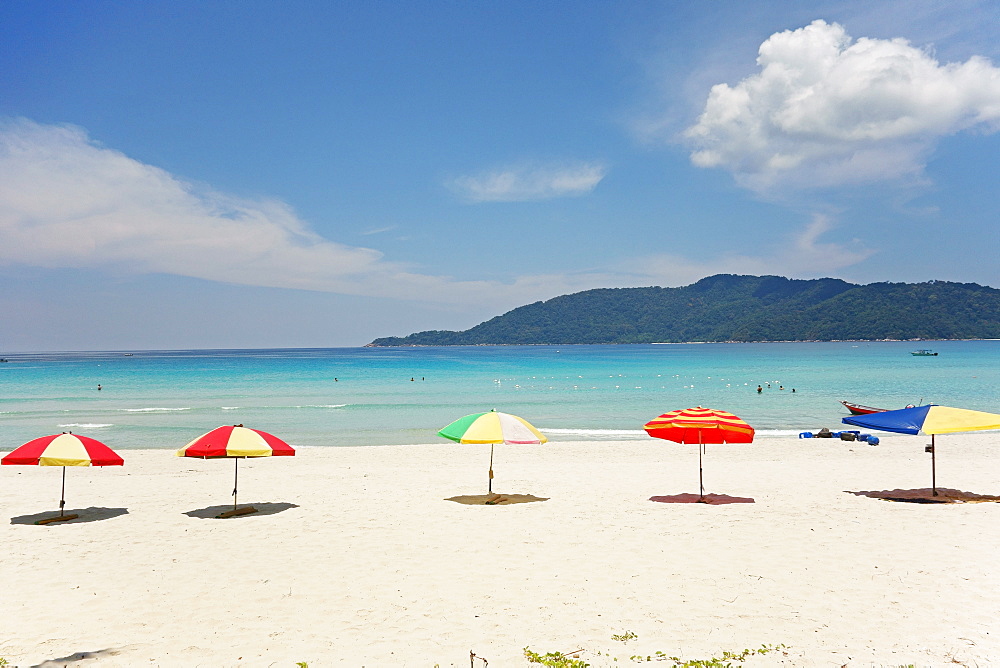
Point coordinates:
[(63, 450), (700, 425), (235, 442)]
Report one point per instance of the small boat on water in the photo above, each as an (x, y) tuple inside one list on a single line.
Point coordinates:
[(924, 352), (858, 409)]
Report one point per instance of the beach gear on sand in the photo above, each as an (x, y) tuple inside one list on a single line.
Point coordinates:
[(63, 450), (702, 426), (235, 442), (492, 427), (930, 419)]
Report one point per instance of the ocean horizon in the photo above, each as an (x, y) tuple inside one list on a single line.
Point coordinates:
[(394, 396)]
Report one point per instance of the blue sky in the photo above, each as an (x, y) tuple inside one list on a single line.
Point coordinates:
[(265, 174)]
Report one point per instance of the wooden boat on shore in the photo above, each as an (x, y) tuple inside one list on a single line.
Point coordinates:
[(858, 409)]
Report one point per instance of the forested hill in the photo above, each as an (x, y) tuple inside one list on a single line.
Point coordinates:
[(740, 308)]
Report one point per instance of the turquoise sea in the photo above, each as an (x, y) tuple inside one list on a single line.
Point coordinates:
[(381, 396)]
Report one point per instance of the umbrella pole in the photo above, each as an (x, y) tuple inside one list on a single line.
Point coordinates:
[(701, 479), (236, 478), (933, 467), (490, 488), (62, 496)]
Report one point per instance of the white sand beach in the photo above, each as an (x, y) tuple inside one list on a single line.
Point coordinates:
[(357, 559)]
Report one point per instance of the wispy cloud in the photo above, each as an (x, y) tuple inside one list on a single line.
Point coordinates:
[(68, 202), (379, 230), (526, 183), (827, 110), (804, 255)]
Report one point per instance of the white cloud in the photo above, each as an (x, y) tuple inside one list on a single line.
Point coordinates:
[(67, 202), (826, 110), (379, 230), (803, 256), (526, 183)]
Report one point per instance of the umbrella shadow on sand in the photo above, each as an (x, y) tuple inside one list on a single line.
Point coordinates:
[(77, 656), (213, 512), (710, 499), (926, 495), (91, 514), (495, 499)]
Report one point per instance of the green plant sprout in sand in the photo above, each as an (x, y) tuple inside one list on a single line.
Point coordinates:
[(727, 660), (554, 659)]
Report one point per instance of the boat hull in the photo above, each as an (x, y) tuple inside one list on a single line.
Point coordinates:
[(858, 409)]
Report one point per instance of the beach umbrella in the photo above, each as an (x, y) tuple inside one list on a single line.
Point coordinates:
[(63, 450), (700, 425), (492, 427), (236, 442), (930, 419)]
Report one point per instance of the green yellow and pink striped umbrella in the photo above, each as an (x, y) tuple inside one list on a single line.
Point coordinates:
[(492, 427)]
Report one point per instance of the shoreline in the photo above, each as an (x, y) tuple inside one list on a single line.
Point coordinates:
[(653, 343), (358, 558), (132, 351)]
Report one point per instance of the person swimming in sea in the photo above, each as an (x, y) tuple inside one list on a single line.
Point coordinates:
[(759, 389)]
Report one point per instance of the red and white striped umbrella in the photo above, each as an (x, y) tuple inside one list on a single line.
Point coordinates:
[(235, 442), (63, 450)]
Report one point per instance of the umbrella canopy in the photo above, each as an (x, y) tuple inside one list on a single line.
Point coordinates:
[(931, 420), (493, 427), (235, 442), (63, 450), (700, 425)]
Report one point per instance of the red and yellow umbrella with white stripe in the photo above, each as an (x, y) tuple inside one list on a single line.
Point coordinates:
[(63, 450), (235, 442), (700, 425)]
